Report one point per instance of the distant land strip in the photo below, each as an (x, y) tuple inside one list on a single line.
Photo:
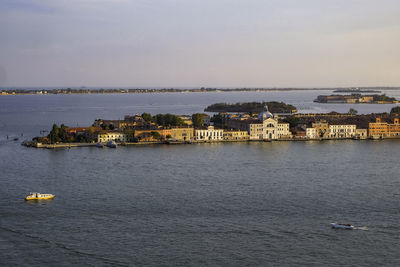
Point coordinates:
[(45, 91)]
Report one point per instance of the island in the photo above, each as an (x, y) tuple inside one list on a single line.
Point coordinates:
[(356, 99), (356, 90), (252, 107), (223, 127)]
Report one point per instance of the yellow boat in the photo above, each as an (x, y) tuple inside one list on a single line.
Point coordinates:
[(37, 196)]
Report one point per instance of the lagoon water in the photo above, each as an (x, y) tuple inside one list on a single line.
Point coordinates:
[(242, 204)]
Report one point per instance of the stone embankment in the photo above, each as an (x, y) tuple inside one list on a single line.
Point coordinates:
[(69, 145), (59, 145)]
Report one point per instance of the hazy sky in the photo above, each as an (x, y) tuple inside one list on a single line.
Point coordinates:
[(210, 43)]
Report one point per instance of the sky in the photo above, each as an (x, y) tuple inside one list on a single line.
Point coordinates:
[(204, 43)]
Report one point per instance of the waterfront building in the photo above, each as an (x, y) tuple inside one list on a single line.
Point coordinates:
[(270, 126), (232, 135), (378, 129), (106, 136), (178, 133), (182, 133), (266, 127), (322, 129), (394, 128), (381, 129), (311, 133), (283, 131), (209, 134), (342, 131), (256, 130), (301, 134), (361, 134)]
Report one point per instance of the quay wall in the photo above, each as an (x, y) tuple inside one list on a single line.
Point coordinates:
[(69, 145)]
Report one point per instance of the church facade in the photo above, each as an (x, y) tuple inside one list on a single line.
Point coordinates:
[(266, 127)]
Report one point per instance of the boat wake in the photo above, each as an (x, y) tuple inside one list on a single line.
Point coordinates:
[(363, 228), (66, 248)]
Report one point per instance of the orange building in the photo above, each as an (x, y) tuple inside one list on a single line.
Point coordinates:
[(322, 129), (179, 133), (394, 129), (380, 129)]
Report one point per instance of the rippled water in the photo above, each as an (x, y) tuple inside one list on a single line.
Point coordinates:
[(241, 204)]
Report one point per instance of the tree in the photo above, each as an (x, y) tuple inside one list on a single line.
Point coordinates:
[(156, 135), (54, 134), (91, 129), (352, 111), (130, 134), (62, 134), (147, 117), (81, 138), (159, 119), (395, 110), (197, 119), (216, 119), (168, 136), (167, 120), (292, 120)]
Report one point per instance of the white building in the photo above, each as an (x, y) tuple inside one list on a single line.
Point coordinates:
[(270, 129), (342, 131), (209, 134), (111, 136), (361, 133), (270, 125), (311, 133), (265, 128), (256, 131), (283, 130)]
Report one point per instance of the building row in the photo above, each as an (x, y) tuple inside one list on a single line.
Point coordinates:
[(234, 127), (322, 130)]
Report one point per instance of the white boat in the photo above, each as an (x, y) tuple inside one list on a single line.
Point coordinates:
[(342, 226), (111, 144)]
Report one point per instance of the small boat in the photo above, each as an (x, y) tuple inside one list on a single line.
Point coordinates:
[(99, 145), (16, 139), (37, 196), (342, 226), (111, 144)]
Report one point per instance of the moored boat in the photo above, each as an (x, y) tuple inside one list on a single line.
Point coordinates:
[(342, 226), (38, 196), (111, 144), (99, 145)]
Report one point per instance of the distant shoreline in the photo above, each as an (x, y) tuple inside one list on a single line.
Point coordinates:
[(68, 91)]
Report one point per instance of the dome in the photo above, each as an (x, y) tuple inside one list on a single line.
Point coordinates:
[(265, 114)]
